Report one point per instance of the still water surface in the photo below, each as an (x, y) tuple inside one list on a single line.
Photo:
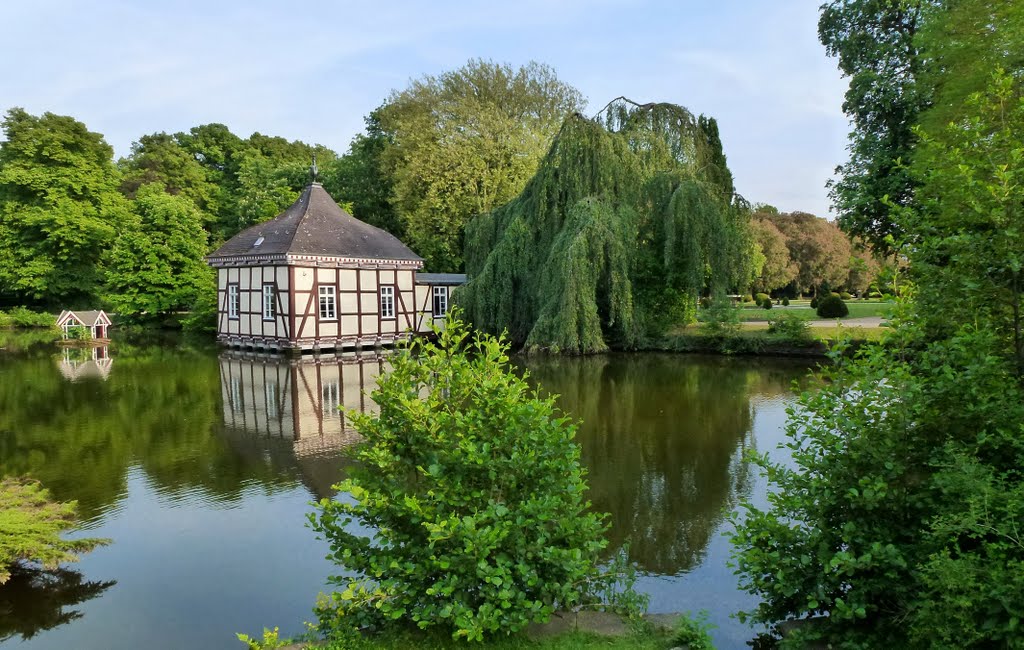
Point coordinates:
[(200, 467)]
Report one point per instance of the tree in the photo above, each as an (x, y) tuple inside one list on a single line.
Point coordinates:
[(618, 234), (159, 158), (898, 522), (778, 269), (360, 178), (874, 41), (157, 267), (464, 142), (31, 526), (59, 209), (475, 492), (819, 249)]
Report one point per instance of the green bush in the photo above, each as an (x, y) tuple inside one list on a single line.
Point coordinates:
[(785, 302), (766, 303), (25, 317), (845, 295), (814, 302), (693, 633), (761, 297), (474, 489), (31, 526), (705, 302), (722, 318), (834, 294), (832, 306), (748, 298), (789, 327)]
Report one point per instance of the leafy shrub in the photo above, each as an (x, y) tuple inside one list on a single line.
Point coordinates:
[(693, 633), (761, 297), (6, 322), (79, 333), (25, 317), (834, 294), (271, 640), (785, 302), (748, 298), (722, 318), (31, 526), (766, 303), (814, 302), (789, 327), (846, 295), (475, 492), (832, 306)]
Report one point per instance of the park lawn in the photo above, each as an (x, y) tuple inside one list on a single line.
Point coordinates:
[(858, 309)]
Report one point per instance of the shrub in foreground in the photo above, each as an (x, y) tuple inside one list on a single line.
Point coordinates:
[(832, 306), (474, 488), (790, 328)]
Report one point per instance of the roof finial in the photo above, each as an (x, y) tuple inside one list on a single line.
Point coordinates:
[(314, 171)]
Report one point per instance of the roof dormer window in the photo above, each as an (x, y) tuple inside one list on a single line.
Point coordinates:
[(259, 241)]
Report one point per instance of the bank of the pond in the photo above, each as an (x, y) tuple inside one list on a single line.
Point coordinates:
[(752, 342)]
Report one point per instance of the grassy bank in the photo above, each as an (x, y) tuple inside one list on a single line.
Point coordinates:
[(755, 339), (802, 310)]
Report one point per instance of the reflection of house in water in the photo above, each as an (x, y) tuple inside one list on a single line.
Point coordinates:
[(83, 363), (297, 401)]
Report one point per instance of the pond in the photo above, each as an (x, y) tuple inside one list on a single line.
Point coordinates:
[(200, 465)]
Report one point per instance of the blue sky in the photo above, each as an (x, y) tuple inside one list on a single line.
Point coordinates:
[(312, 70)]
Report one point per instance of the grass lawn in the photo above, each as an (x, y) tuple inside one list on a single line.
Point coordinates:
[(802, 309), (568, 641)]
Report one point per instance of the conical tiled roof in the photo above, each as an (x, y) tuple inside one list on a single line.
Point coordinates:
[(316, 225)]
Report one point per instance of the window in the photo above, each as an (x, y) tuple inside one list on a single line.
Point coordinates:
[(271, 393), (233, 301), (269, 311), (327, 305), (440, 301), (387, 301), (331, 398)]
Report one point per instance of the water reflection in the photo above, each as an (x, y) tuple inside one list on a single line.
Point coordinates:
[(91, 362), (664, 441), (302, 403), (34, 601)]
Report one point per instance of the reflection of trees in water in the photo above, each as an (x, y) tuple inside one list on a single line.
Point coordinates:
[(34, 601), (663, 437), (159, 410)]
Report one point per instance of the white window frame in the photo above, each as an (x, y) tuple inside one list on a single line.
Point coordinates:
[(327, 305), (442, 294), (269, 302), (233, 300), (330, 394), (387, 302)]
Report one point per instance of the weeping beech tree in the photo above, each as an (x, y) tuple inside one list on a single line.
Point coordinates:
[(630, 218)]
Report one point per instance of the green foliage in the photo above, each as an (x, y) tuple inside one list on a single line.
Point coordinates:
[(832, 306), (620, 231), (766, 303), (759, 298), (785, 302), (876, 49), (814, 302), (722, 318), (31, 526), (60, 208), (790, 327), (464, 142), (26, 318), (157, 266), (845, 295), (474, 488), (271, 640), (693, 633)]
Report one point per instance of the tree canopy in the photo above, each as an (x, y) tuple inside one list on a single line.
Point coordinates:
[(629, 218), (464, 142)]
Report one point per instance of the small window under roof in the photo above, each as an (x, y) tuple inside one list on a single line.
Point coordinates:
[(259, 241)]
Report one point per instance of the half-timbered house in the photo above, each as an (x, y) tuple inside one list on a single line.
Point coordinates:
[(316, 278)]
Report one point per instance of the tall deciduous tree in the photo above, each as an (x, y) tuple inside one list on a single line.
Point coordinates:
[(160, 158), (874, 42), (60, 208), (819, 248), (157, 266), (465, 142), (778, 269)]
